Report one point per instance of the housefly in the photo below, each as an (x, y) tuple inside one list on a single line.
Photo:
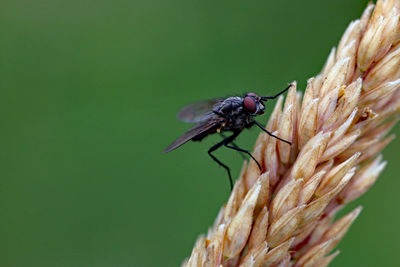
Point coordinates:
[(232, 114)]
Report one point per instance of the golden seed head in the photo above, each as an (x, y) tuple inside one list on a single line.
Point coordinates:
[(284, 215)]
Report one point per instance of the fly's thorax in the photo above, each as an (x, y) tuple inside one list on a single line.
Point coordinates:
[(235, 115), (230, 107)]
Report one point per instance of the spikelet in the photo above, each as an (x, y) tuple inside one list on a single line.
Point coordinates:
[(284, 216)]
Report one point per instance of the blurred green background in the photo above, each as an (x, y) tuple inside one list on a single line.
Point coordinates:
[(89, 93)]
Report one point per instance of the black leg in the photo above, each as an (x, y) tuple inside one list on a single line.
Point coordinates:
[(262, 128), (218, 145), (275, 96), (244, 151), (235, 146)]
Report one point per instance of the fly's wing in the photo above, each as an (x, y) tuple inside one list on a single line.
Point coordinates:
[(198, 111), (197, 130)]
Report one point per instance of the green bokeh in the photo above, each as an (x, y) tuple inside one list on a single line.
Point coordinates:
[(89, 92)]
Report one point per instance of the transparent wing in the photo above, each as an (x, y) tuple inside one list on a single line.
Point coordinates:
[(198, 111), (198, 130)]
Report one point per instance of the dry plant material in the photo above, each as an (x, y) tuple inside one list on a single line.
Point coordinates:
[(284, 216)]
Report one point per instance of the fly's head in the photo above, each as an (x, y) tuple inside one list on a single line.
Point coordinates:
[(253, 104)]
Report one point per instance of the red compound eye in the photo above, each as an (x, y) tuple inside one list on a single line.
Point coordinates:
[(250, 104)]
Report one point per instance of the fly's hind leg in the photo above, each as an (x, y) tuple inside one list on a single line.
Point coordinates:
[(218, 145), (236, 146)]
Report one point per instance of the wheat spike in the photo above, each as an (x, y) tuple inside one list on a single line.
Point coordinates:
[(284, 217)]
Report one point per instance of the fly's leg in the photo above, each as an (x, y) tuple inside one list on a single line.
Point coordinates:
[(221, 164), (244, 151), (236, 146), (278, 94), (218, 145), (262, 128)]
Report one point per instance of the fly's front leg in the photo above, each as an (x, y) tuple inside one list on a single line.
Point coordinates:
[(278, 94), (280, 139)]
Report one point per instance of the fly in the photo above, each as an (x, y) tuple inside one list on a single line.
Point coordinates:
[(232, 114)]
